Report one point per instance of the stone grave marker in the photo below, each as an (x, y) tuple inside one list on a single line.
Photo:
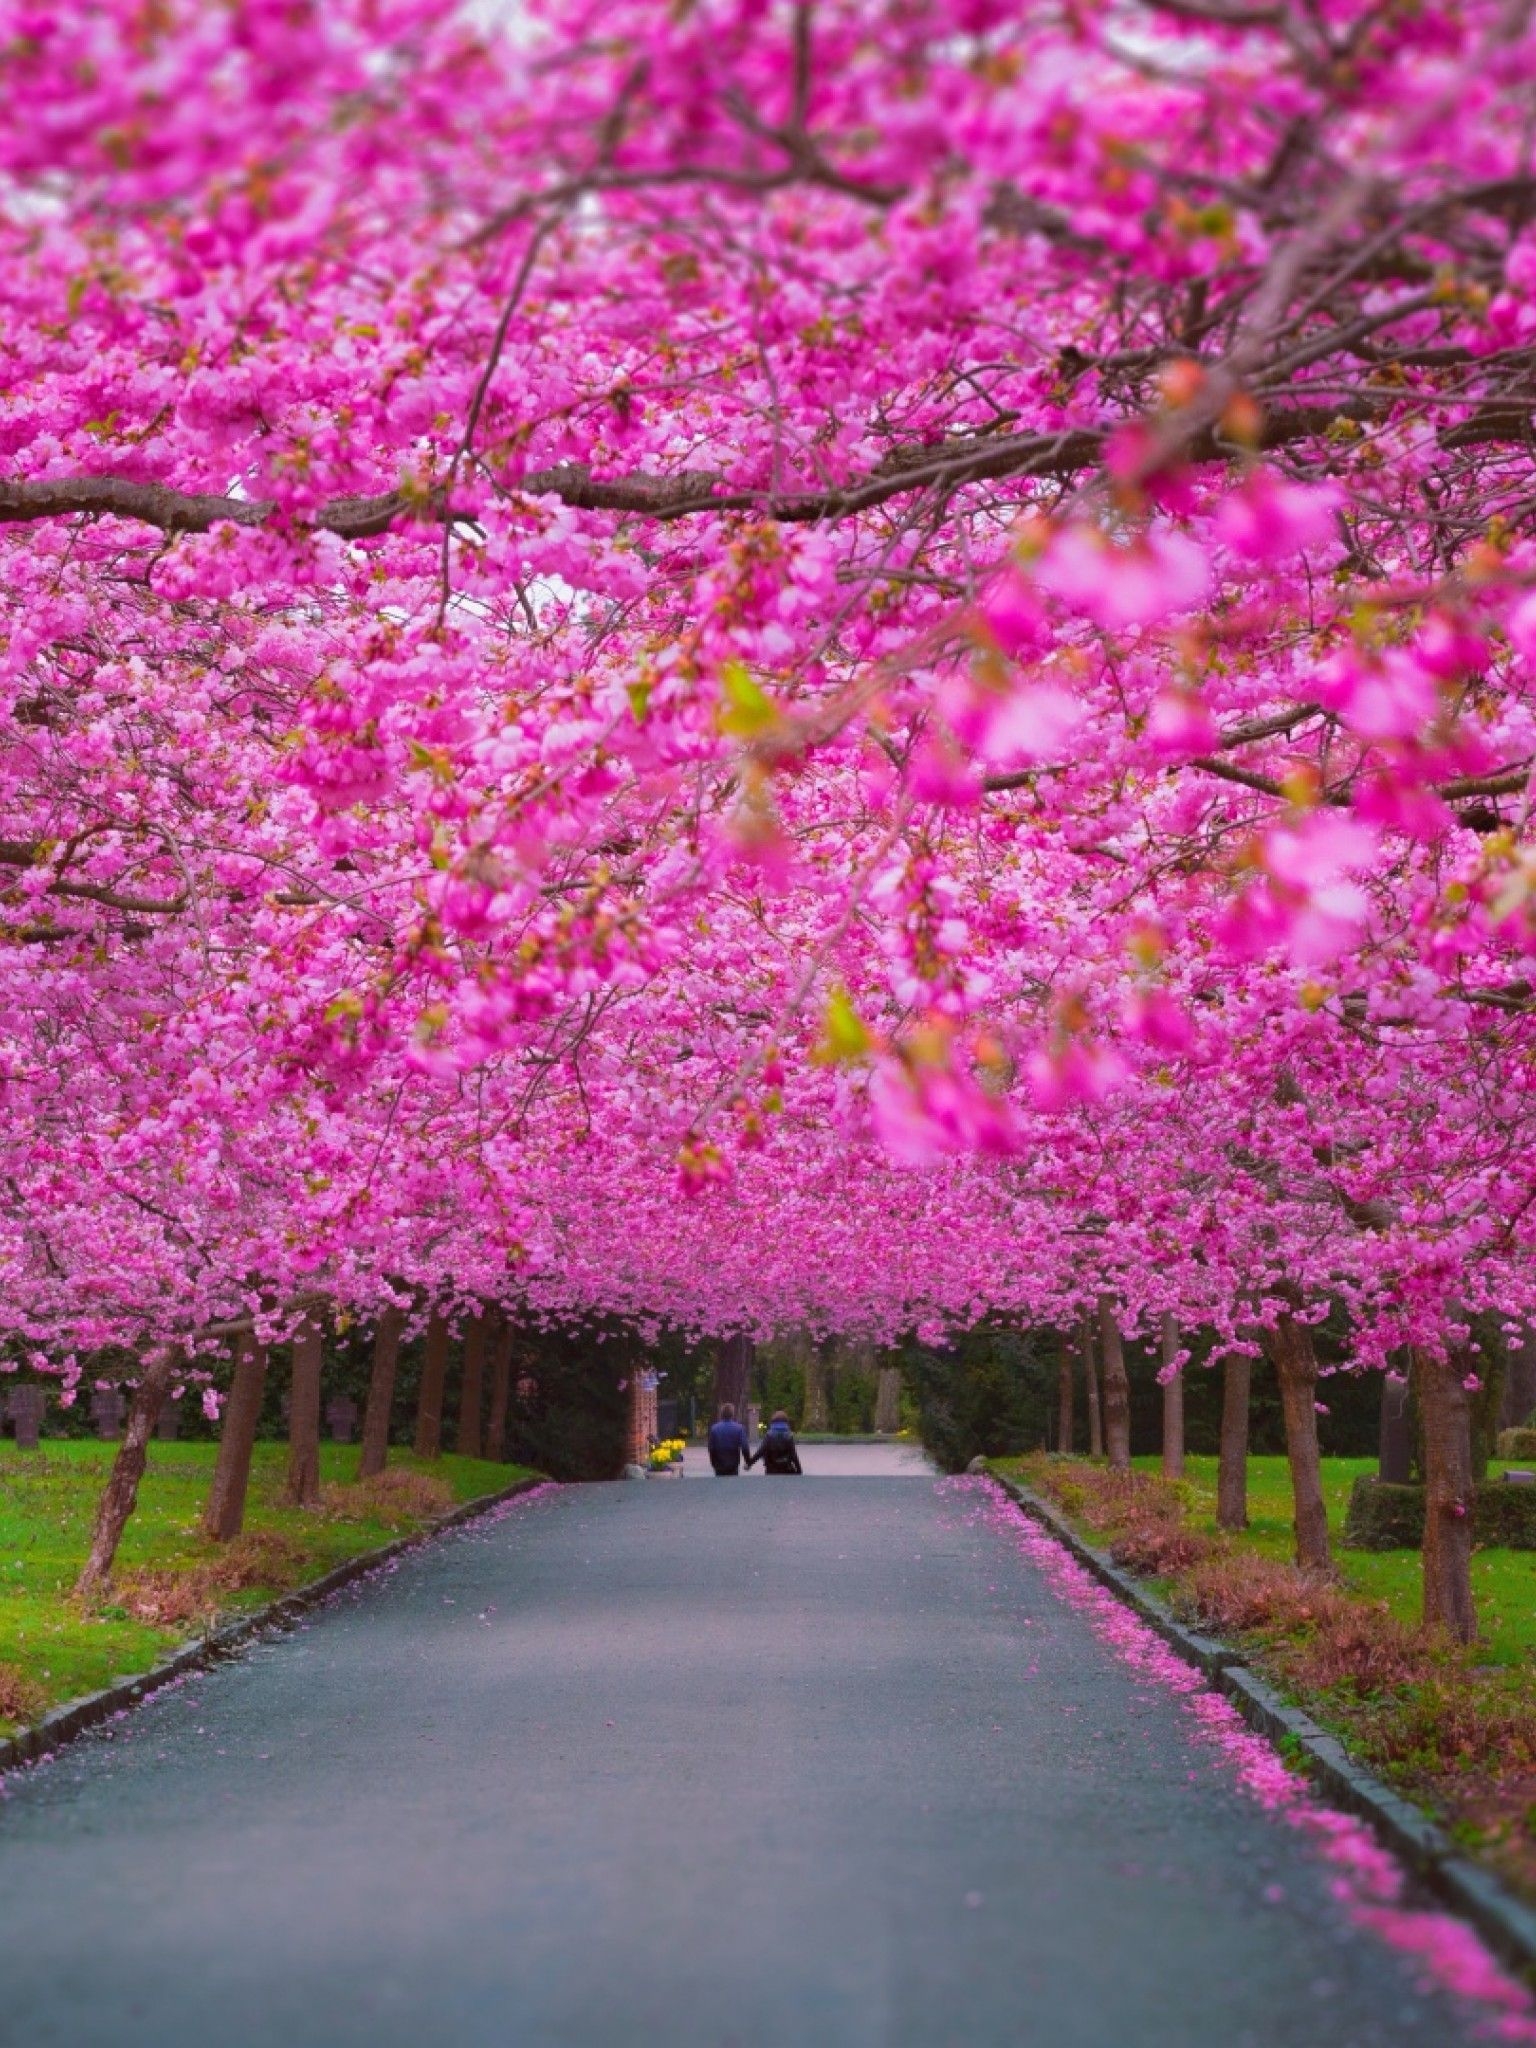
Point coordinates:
[(341, 1415), (27, 1407), (107, 1410)]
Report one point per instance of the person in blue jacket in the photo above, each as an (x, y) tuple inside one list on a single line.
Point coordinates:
[(777, 1449), (728, 1444)]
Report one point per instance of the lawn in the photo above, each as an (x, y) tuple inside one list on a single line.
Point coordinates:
[(170, 1581), (1504, 1580)]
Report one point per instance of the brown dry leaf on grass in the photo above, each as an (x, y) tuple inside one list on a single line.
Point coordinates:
[(168, 1596), (20, 1699), (395, 1496), (172, 1596)]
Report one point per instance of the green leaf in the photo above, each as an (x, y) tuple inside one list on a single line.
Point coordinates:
[(747, 711), (844, 1035)]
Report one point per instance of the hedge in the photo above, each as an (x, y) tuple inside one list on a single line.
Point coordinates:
[(1383, 1517), (1517, 1443)]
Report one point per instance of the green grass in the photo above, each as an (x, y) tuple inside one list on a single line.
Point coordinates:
[(1503, 1581), (47, 1505)]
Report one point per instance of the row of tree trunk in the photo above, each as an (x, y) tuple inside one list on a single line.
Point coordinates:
[(735, 1358), (1445, 1407), (1444, 1402), (488, 1342)]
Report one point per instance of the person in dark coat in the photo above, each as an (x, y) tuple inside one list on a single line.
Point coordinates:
[(728, 1445), (777, 1451)]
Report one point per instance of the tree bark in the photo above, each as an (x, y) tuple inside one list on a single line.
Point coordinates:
[(1173, 1403), (304, 1418), (224, 1516), (1232, 1472), (1091, 1377), (1294, 1356), (733, 1374), (887, 1400), (1446, 1408), (501, 1387), (472, 1389), (381, 1395), (434, 1376), (1064, 1416), (1394, 1460), (1117, 1389), (815, 1414), (121, 1493)]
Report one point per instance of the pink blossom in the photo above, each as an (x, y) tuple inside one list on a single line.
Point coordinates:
[(1138, 583), (1034, 723), (1269, 518)]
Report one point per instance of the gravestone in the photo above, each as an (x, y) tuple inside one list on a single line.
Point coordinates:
[(1395, 1466), (26, 1408), (1519, 1395), (107, 1411), (341, 1415)]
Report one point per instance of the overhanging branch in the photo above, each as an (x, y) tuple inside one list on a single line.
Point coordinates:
[(944, 466)]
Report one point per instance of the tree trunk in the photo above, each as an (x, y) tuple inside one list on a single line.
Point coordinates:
[(1447, 1411), (1291, 1349), (1394, 1456), (815, 1415), (1091, 1376), (429, 1402), (224, 1516), (501, 1387), (1232, 1473), (733, 1374), (304, 1418), (122, 1489), (1117, 1389), (1064, 1418), (380, 1404), (1173, 1403), (888, 1401), (472, 1389)]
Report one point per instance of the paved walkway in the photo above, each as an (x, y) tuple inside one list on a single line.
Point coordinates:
[(752, 1766)]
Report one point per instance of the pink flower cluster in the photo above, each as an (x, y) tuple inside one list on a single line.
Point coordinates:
[(891, 622)]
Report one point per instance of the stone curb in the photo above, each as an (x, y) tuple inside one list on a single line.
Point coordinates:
[(1505, 1922), (73, 1717)]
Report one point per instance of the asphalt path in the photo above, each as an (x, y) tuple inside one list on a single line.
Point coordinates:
[(741, 1765)]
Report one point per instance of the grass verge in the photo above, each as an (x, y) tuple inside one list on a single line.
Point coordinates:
[(170, 1582), (1454, 1728)]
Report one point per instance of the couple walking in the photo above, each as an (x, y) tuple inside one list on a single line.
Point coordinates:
[(728, 1446)]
